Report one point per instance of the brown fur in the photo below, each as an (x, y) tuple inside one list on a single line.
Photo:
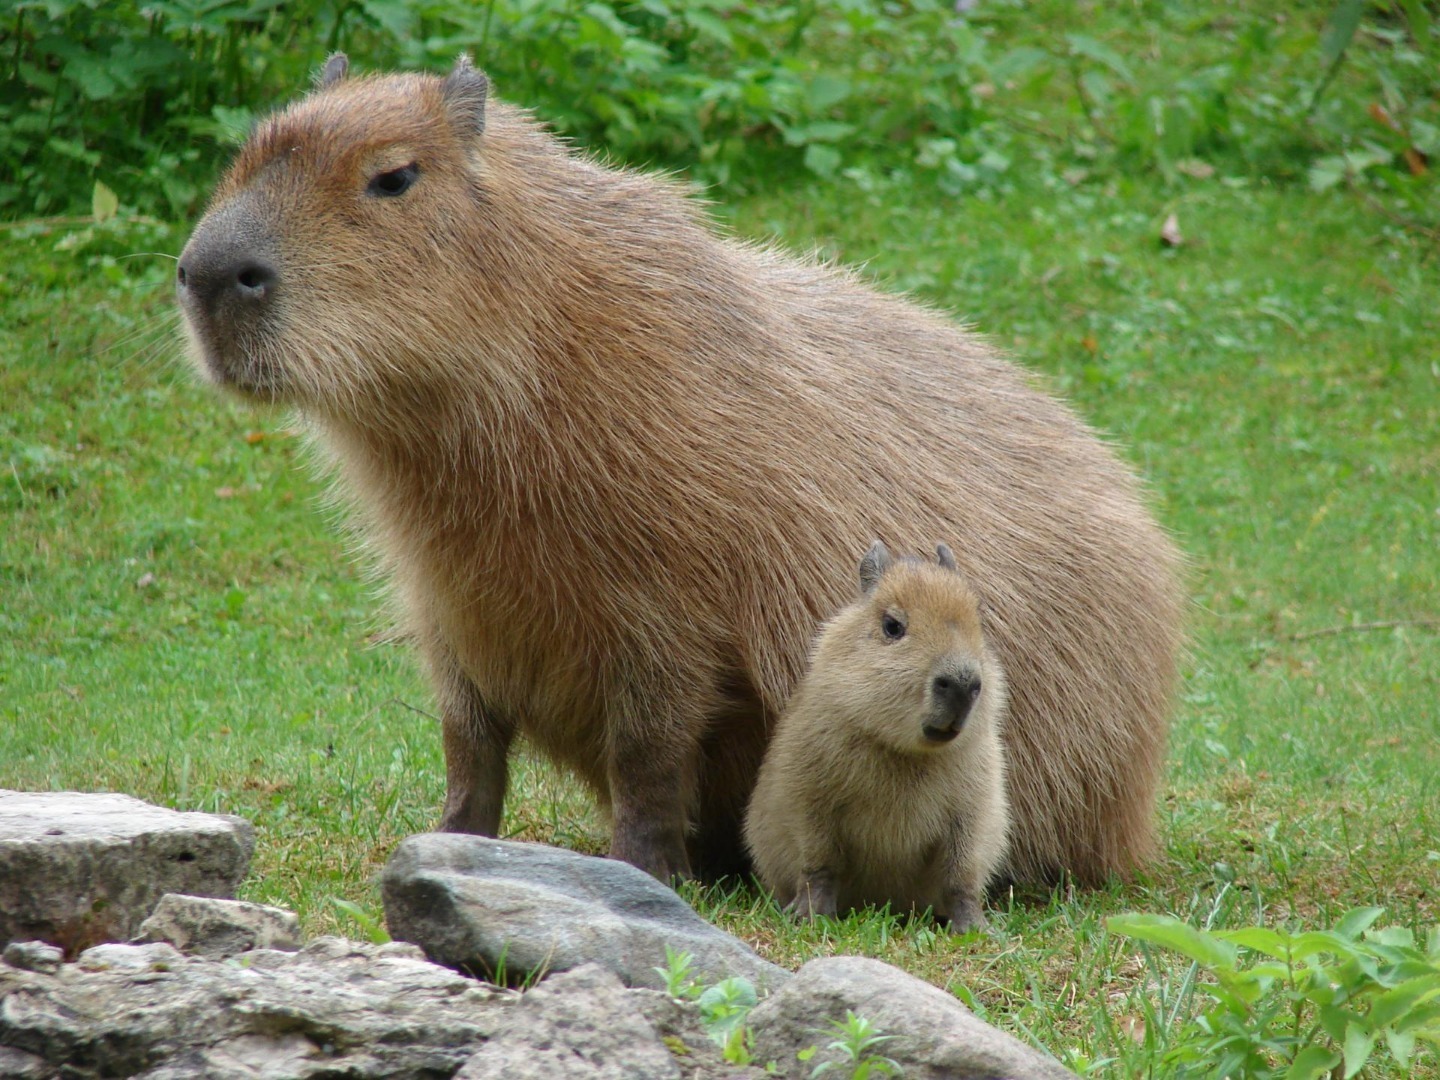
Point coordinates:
[(855, 804), (615, 464)]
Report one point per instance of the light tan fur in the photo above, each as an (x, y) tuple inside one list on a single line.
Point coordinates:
[(855, 805), (614, 465)]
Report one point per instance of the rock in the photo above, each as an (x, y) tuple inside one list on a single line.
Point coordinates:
[(478, 905), (78, 869), (938, 1038), (215, 929), (576, 1025), (34, 956), (156, 956), (336, 1008)]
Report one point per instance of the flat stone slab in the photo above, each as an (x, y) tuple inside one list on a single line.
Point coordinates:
[(483, 905), (77, 869)]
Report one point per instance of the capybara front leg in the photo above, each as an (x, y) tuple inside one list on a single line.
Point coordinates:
[(815, 894), (652, 772), (477, 746)]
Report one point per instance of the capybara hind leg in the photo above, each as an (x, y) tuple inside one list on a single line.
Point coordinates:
[(477, 746)]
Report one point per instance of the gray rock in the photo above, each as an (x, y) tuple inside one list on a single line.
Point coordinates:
[(576, 1026), (34, 956), (938, 1038), (78, 869), (215, 929), (335, 1009), (478, 904), (156, 956)]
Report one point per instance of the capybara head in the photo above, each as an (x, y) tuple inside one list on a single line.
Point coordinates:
[(300, 283), (911, 652)]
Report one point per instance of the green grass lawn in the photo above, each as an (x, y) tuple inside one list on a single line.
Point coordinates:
[(181, 617)]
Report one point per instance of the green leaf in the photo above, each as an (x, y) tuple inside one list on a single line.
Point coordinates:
[(1401, 1045), (1340, 30), (1206, 949), (1312, 1062), (103, 202), (1356, 921), (710, 26), (826, 91), (1394, 1004), (1358, 1045), (1259, 938), (1088, 47), (822, 160)]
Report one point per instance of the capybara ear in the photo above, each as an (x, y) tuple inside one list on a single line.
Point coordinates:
[(945, 555), (876, 561), (465, 91), (337, 66)]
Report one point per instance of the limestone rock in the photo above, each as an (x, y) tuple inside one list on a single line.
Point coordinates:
[(579, 1025), (938, 1038), (34, 956), (478, 904), (78, 869), (215, 929), (337, 1008)]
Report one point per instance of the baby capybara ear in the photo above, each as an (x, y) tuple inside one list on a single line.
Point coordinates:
[(945, 555), (876, 561), (465, 91), (337, 66)]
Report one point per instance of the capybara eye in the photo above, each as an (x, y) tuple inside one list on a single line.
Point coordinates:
[(395, 182), (892, 627)]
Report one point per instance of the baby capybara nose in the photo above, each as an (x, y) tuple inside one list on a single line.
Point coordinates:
[(954, 696)]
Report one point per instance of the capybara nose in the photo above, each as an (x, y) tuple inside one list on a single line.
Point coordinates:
[(954, 696), (210, 279)]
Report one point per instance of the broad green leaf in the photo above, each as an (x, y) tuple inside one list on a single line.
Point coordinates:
[(1344, 21), (1393, 1004), (103, 202), (1359, 1043), (1088, 47), (1206, 949), (1259, 938), (1312, 1062), (1336, 1021), (1316, 942), (713, 28), (826, 91), (1401, 1045), (1356, 921), (822, 160)]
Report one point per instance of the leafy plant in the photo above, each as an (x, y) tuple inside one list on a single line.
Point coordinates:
[(857, 1042), (140, 97), (723, 1009), (680, 982), (1301, 1005)]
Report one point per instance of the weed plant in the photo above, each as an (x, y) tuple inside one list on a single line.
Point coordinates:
[(181, 619)]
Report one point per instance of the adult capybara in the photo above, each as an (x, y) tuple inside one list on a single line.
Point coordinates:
[(616, 465), (885, 780)]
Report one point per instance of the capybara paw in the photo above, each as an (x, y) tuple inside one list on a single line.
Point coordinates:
[(665, 862)]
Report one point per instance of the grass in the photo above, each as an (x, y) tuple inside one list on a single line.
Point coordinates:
[(182, 619)]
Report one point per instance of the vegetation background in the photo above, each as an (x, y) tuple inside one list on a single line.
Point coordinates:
[(1213, 226)]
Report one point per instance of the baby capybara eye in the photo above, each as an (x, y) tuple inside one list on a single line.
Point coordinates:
[(892, 628)]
